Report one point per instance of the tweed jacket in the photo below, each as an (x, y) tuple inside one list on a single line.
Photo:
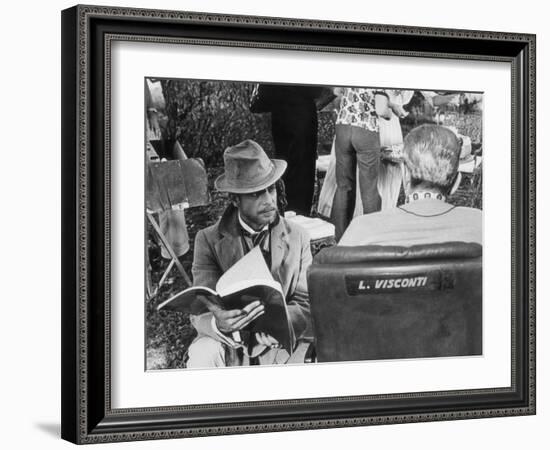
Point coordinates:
[(219, 246)]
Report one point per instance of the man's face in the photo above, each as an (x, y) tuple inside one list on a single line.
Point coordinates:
[(258, 208)]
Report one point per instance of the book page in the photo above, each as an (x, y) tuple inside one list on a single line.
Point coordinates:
[(186, 300), (251, 269)]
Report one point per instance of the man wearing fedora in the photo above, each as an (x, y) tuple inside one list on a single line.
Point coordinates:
[(250, 220)]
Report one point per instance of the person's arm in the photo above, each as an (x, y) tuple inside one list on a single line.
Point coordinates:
[(206, 272), (397, 100), (398, 110), (382, 105), (218, 323), (221, 324), (440, 100), (298, 303), (338, 91)]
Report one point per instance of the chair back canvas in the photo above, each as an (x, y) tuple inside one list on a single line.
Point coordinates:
[(376, 302), (176, 184)]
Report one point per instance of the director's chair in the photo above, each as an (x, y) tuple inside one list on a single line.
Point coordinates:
[(173, 185), (386, 302)]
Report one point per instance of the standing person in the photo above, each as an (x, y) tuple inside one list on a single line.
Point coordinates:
[(294, 129), (391, 136), (390, 168), (431, 154), (357, 145), (250, 220)]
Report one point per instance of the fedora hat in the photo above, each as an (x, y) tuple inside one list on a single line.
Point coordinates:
[(248, 169)]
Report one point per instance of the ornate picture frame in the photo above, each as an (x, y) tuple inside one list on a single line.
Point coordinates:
[(88, 33)]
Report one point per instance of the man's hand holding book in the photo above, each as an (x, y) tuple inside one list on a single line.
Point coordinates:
[(232, 320)]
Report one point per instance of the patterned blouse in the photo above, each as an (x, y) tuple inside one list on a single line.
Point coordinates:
[(357, 108)]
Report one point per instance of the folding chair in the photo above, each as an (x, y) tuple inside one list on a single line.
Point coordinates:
[(173, 185)]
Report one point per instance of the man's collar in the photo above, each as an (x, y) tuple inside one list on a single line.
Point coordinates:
[(428, 207), (420, 194)]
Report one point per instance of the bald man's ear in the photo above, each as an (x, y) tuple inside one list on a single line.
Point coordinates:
[(456, 183), (406, 179)]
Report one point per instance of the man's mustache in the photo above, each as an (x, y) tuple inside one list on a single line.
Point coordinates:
[(266, 210)]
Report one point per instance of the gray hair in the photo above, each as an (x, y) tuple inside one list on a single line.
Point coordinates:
[(431, 153)]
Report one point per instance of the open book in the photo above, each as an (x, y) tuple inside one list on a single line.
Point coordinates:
[(248, 280)]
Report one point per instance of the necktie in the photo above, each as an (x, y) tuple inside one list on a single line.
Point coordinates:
[(259, 238)]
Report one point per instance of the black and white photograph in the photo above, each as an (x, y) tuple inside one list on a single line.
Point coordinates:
[(275, 225), (309, 224), (282, 223)]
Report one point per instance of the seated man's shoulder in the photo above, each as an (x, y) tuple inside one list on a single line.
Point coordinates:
[(363, 229), (209, 233), (467, 213), (211, 228), (295, 229), (469, 210), (378, 216)]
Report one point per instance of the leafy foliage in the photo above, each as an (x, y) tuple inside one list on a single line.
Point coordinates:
[(206, 117)]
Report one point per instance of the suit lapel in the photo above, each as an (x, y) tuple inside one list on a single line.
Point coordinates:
[(279, 250), (229, 248)]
